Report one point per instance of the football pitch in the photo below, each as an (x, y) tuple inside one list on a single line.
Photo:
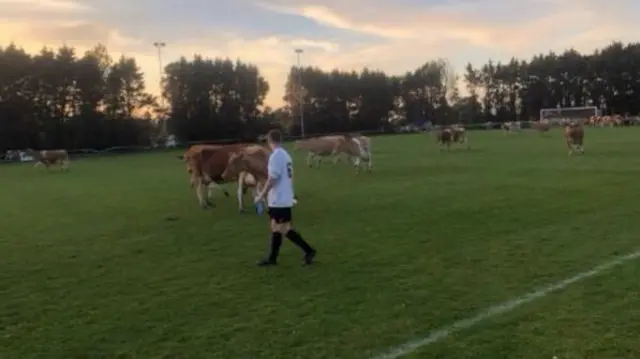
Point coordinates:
[(115, 259)]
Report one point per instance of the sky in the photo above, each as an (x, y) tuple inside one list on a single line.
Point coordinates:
[(392, 35)]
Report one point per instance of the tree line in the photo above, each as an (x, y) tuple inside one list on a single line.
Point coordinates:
[(62, 99)]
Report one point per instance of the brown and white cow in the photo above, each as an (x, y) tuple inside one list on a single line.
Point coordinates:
[(574, 137), (324, 146), (450, 135), (50, 158), (193, 157), (511, 127), (602, 121), (459, 135), (444, 138), (205, 166), (364, 149), (249, 166)]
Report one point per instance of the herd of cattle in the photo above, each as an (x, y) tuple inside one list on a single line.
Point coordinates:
[(209, 166), (573, 130)]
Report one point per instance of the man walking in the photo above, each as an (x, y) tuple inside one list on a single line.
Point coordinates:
[(280, 199)]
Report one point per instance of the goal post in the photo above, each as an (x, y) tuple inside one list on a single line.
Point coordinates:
[(561, 114)]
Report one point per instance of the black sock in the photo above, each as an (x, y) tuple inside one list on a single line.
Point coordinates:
[(276, 242), (298, 241)]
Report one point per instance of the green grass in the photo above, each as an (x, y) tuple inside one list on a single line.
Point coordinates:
[(90, 267)]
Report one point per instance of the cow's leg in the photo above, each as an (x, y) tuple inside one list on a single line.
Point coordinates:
[(254, 193), (369, 163), (213, 185), (570, 147), (210, 188), (356, 163), (201, 192), (310, 157), (241, 190), (336, 157)]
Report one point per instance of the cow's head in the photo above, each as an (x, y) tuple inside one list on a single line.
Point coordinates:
[(193, 168), (235, 165)]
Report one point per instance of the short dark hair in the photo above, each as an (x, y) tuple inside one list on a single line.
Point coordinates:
[(274, 136)]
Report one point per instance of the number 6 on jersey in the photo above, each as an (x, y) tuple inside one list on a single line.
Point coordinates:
[(289, 170)]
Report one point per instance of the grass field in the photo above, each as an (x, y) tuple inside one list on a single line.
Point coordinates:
[(90, 267)]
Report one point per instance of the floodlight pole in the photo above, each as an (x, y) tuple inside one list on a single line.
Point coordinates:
[(160, 46), (300, 93)]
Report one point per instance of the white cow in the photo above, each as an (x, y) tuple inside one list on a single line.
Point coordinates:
[(364, 147), (512, 127)]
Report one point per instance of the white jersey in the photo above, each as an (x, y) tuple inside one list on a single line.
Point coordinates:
[(281, 172)]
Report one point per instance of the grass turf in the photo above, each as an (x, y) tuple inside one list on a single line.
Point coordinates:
[(90, 267)]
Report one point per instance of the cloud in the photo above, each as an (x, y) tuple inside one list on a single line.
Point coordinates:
[(325, 16), (79, 34), (61, 6)]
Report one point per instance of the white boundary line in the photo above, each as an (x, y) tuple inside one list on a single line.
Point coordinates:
[(502, 308)]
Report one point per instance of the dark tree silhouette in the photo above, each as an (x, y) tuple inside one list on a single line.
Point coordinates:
[(60, 99)]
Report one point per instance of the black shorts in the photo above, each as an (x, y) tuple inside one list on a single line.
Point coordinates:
[(280, 214)]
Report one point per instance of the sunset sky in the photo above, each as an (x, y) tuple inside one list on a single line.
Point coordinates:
[(394, 36)]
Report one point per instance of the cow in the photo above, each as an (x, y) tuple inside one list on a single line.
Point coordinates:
[(323, 146), (193, 158), (616, 120), (541, 126), (249, 165), (205, 166), (511, 127), (459, 135), (451, 135), (195, 149), (444, 138), (50, 158), (574, 137), (602, 121), (364, 149)]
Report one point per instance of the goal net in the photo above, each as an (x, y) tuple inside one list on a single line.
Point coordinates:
[(563, 114)]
